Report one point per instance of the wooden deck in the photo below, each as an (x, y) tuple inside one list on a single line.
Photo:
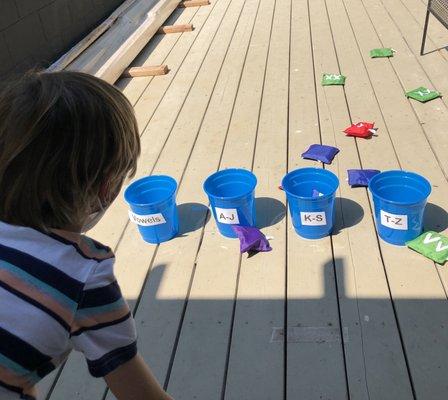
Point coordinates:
[(366, 320)]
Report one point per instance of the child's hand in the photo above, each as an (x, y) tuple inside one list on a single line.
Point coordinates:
[(134, 381)]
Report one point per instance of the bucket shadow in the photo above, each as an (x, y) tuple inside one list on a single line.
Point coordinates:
[(435, 218), (192, 216), (269, 211), (348, 213)]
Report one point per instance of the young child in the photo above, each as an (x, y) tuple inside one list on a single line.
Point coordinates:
[(67, 142)]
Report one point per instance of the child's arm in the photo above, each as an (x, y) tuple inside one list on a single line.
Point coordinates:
[(134, 381)]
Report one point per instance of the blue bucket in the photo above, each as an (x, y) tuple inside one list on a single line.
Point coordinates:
[(153, 207), (399, 199), (232, 198), (312, 215)]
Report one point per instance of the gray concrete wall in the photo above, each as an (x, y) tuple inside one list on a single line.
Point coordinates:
[(33, 33)]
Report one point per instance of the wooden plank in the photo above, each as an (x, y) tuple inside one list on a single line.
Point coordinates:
[(176, 28), (193, 3), (156, 52), (419, 298), (87, 41), (134, 257), (208, 318), (375, 362), (315, 370), (256, 365), (146, 70), (113, 52)]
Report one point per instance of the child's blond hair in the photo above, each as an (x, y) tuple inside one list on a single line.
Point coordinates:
[(66, 138)]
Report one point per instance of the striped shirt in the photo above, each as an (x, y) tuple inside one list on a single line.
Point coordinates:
[(58, 293)]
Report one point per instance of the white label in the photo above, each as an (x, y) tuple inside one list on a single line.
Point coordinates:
[(313, 218), (147, 220), (394, 221), (227, 216)]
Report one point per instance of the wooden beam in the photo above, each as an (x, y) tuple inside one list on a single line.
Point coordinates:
[(175, 28), (76, 50), (114, 51), (145, 71), (193, 3)]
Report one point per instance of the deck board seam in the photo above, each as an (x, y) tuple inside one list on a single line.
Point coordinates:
[(314, 72), (55, 381), (232, 324), (341, 330), (288, 131)]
